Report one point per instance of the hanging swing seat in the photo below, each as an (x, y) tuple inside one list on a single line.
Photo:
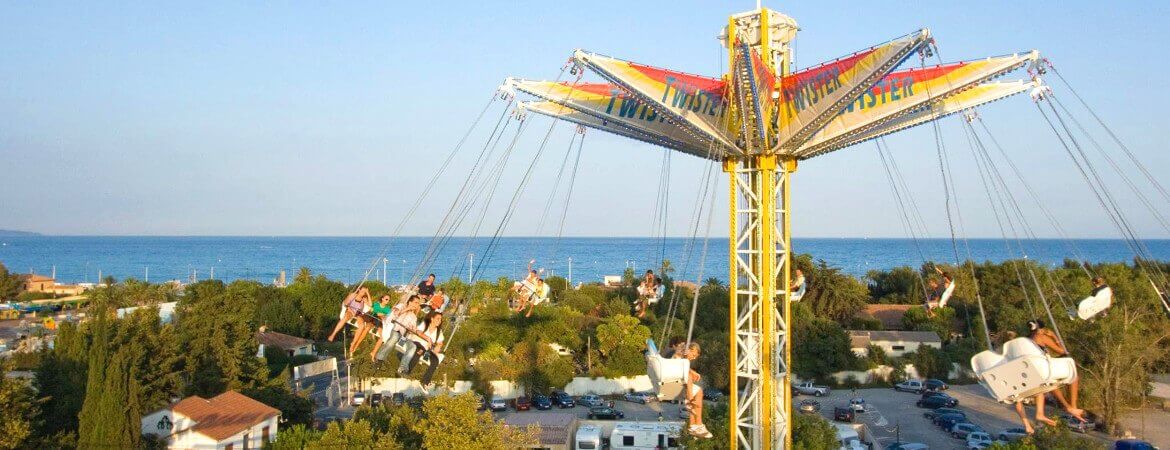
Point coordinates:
[(1023, 370), (946, 295), (652, 296), (799, 294), (667, 375), (1095, 304)]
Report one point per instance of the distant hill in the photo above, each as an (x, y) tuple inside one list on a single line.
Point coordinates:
[(17, 233)]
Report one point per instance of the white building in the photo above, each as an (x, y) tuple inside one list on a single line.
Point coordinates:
[(894, 343), (229, 421), (292, 345)]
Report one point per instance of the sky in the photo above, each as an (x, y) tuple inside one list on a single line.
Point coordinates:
[(329, 118)]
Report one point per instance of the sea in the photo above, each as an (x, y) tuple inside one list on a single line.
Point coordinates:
[(78, 259)]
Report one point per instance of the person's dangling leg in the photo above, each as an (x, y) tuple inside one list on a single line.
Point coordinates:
[(346, 314), (1024, 418), (430, 373), (1040, 413), (405, 365)]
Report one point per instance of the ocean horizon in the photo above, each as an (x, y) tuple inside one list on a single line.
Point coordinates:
[(348, 258)]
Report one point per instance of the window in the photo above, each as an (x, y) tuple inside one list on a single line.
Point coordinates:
[(229, 447), (898, 348), (671, 443), (627, 440), (264, 434), (586, 445)]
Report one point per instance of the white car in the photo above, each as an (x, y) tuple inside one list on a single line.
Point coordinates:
[(978, 440), (359, 399), (858, 405), (498, 404), (638, 397)]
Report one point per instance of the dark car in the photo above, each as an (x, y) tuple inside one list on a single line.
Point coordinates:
[(605, 413), (522, 403), (375, 399), (938, 412), (416, 401), (712, 395), (541, 402), (1133, 444), (950, 401), (1012, 434), (950, 422), (1078, 426), (397, 399), (933, 403), (951, 418), (843, 414), (562, 399), (936, 385)]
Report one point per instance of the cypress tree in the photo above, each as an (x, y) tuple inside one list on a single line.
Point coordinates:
[(93, 420)]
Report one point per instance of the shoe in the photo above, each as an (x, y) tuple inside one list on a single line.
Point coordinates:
[(700, 431)]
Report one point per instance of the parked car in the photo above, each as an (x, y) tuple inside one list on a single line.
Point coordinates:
[(593, 401), (808, 388), (907, 446), (935, 385), (858, 404), (946, 423), (1133, 444), (950, 401), (961, 430), (605, 413), (539, 401), (712, 395), (1078, 426), (498, 404), (978, 440), (933, 403), (398, 399), (931, 414), (843, 414), (375, 399), (638, 397), (1012, 434), (359, 399), (522, 403), (416, 402), (914, 386), (562, 399), (810, 406)]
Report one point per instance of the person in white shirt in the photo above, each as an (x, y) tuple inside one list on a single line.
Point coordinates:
[(426, 341), (394, 326)]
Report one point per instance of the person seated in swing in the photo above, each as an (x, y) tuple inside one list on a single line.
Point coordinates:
[(1050, 343), (425, 341), (933, 294), (438, 301), (426, 288), (524, 290), (355, 303), (370, 320), (694, 394), (539, 295), (797, 288), (394, 326), (940, 292), (1098, 301)]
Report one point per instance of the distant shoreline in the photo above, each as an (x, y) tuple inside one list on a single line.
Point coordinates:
[(8, 233)]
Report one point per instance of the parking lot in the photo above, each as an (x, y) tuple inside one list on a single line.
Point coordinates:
[(634, 411), (890, 414)]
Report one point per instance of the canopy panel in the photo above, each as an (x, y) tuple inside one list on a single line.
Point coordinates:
[(970, 98), (559, 111), (811, 98), (907, 90)]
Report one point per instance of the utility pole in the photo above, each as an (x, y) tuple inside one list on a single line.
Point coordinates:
[(570, 271), (384, 262), (147, 274), (470, 264)]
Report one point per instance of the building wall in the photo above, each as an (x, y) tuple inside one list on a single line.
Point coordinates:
[(899, 348), (254, 435)]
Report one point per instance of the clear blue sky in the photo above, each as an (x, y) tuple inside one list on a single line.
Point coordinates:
[(326, 118)]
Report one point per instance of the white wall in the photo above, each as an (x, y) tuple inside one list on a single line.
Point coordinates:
[(506, 389), (909, 346), (607, 386), (255, 436)]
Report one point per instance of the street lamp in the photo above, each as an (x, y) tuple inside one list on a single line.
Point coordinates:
[(384, 262)]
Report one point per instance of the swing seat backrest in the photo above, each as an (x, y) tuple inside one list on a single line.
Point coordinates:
[(1095, 304), (1023, 370), (946, 295), (668, 376), (796, 296)]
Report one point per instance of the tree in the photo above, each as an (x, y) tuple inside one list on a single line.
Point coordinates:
[(812, 433), (824, 345), (835, 295), (216, 330), (620, 342), (453, 422), (61, 380), (10, 284), (18, 410), (1051, 438), (294, 408)]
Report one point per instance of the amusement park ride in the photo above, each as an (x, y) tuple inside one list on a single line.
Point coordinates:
[(760, 119)]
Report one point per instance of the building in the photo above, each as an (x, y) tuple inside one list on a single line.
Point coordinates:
[(291, 345), (889, 315), (894, 343), (40, 283), (556, 429), (228, 421)]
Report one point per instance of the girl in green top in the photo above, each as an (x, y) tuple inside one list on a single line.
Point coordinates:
[(371, 321)]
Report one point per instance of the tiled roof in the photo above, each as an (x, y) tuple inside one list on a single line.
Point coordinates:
[(224, 415), (281, 340), (555, 428), (889, 315), (898, 336)]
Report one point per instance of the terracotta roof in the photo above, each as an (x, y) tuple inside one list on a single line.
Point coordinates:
[(224, 415), (858, 340), (889, 315), (555, 428), (281, 340)]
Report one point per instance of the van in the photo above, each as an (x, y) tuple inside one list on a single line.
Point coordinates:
[(588, 438), (649, 436), (848, 437)]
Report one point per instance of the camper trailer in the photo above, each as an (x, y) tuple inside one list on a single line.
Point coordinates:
[(588, 438), (649, 436)]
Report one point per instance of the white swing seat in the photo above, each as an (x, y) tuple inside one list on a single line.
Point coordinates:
[(540, 297), (946, 295), (652, 297), (1095, 304), (799, 294), (1023, 370), (400, 346), (668, 376)]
